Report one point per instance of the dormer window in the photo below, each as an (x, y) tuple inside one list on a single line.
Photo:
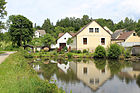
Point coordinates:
[(91, 30), (134, 34), (96, 30)]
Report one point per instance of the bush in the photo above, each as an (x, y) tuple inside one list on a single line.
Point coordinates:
[(100, 52), (65, 49), (122, 49), (27, 54), (114, 51), (127, 53), (70, 55), (79, 51), (85, 51)]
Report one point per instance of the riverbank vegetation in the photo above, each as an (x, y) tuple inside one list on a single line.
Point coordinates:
[(17, 76)]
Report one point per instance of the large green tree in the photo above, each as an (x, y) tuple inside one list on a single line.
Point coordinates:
[(21, 29), (47, 40), (48, 26), (2, 13)]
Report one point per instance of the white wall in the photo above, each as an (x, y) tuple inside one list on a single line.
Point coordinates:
[(37, 34), (62, 39)]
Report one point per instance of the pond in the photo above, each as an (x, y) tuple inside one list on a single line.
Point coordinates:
[(91, 76)]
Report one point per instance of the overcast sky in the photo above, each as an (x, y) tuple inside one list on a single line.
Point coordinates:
[(38, 10)]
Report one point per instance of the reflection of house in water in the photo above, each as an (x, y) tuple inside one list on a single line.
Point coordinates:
[(90, 75), (132, 72), (63, 67)]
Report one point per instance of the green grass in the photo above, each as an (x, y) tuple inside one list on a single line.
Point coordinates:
[(2, 52), (17, 76)]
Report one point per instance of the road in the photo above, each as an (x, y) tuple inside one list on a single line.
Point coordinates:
[(4, 56)]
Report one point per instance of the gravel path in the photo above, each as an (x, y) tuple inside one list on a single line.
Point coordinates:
[(4, 56)]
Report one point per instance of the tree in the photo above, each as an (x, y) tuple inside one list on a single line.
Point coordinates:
[(47, 40), (69, 41), (2, 13), (48, 26), (21, 29)]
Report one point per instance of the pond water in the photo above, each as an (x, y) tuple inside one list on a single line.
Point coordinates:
[(91, 76)]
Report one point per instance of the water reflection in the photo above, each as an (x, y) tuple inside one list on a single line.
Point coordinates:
[(88, 76)]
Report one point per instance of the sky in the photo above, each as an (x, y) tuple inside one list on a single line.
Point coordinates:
[(39, 10)]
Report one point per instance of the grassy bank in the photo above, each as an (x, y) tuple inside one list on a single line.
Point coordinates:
[(2, 52), (16, 76)]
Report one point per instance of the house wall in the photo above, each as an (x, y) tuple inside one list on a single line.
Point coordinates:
[(93, 39), (62, 39), (132, 38), (37, 34), (73, 45)]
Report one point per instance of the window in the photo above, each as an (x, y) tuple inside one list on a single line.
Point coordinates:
[(64, 38), (85, 70), (96, 30), (91, 30), (85, 41), (103, 41), (103, 70), (134, 34), (96, 81)]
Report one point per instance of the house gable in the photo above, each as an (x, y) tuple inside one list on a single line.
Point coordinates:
[(92, 35), (133, 38)]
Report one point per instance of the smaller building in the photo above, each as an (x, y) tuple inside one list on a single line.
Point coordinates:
[(126, 38), (39, 33), (62, 40)]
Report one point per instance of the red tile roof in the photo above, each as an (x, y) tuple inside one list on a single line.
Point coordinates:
[(71, 33), (125, 35)]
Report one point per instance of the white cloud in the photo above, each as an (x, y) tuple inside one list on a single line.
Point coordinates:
[(38, 10)]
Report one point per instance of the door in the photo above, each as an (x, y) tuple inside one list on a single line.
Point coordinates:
[(62, 45)]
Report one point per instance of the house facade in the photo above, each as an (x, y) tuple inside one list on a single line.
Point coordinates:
[(127, 39), (39, 33), (90, 36), (62, 40)]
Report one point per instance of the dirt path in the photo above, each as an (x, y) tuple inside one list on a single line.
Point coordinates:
[(4, 56)]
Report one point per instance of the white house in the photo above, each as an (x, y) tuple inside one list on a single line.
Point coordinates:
[(39, 33), (62, 40)]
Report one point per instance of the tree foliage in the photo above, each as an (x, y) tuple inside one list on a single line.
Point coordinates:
[(47, 40), (21, 29), (48, 26), (3, 13)]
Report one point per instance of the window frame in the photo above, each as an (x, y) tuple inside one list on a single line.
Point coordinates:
[(102, 41), (96, 31), (84, 41), (90, 30)]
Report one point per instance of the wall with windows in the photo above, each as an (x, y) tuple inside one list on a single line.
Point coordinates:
[(94, 34)]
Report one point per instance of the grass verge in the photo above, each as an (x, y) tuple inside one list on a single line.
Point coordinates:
[(16, 76)]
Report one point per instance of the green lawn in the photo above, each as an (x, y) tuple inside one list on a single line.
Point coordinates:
[(17, 76)]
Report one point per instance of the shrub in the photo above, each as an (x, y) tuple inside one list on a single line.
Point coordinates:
[(127, 53), (114, 51), (100, 52), (85, 51), (70, 55), (79, 51), (27, 54), (122, 49), (65, 49)]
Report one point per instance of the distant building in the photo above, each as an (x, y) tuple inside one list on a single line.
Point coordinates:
[(62, 40), (126, 38), (39, 33)]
